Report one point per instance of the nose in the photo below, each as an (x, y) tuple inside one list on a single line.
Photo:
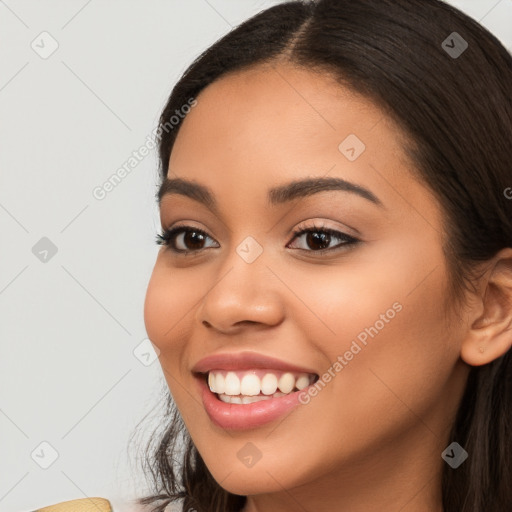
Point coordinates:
[(244, 292)]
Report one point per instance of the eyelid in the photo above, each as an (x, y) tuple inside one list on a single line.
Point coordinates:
[(168, 238), (323, 225), (347, 240)]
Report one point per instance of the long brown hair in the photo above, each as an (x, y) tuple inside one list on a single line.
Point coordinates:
[(457, 112)]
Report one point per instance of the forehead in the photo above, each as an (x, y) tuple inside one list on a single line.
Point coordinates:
[(281, 104), (284, 109), (255, 129)]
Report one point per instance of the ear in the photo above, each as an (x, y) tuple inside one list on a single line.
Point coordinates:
[(490, 334)]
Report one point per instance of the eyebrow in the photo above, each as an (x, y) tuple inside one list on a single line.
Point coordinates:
[(277, 195)]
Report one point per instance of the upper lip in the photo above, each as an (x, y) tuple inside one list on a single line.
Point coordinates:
[(245, 361)]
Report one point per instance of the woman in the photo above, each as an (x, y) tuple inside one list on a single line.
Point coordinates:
[(332, 300)]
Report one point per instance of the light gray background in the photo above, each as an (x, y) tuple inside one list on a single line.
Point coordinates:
[(69, 326)]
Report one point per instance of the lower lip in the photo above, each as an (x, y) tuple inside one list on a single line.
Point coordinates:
[(245, 416)]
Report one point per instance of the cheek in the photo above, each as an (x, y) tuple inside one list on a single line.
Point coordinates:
[(398, 361), (168, 301), (385, 318), (162, 312), (169, 306), (157, 306)]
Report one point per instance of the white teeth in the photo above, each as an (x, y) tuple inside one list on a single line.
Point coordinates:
[(232, 384), (252, 399), (248, 383), (286, 382), (302, 382), (211, 382), (220, 385), (269, 384), (246, 399)]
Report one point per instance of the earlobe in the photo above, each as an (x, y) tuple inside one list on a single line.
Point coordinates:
[(483, 349), (490, 335)]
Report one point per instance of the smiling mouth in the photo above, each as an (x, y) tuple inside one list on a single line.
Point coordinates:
[(250, 386)]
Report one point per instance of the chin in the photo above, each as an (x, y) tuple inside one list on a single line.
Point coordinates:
[(247, 482)]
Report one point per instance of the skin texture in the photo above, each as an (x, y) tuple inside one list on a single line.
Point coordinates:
[(372, 438)]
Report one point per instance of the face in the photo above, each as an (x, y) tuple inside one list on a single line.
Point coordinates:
[(357, 301)]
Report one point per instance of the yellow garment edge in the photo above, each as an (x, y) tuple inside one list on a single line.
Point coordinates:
[(82, 505)]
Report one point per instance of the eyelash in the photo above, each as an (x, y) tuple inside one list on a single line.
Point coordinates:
[(168, 238)]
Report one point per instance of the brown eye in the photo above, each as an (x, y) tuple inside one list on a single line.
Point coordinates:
[(319, 239), (192, 240), (183, 239)]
